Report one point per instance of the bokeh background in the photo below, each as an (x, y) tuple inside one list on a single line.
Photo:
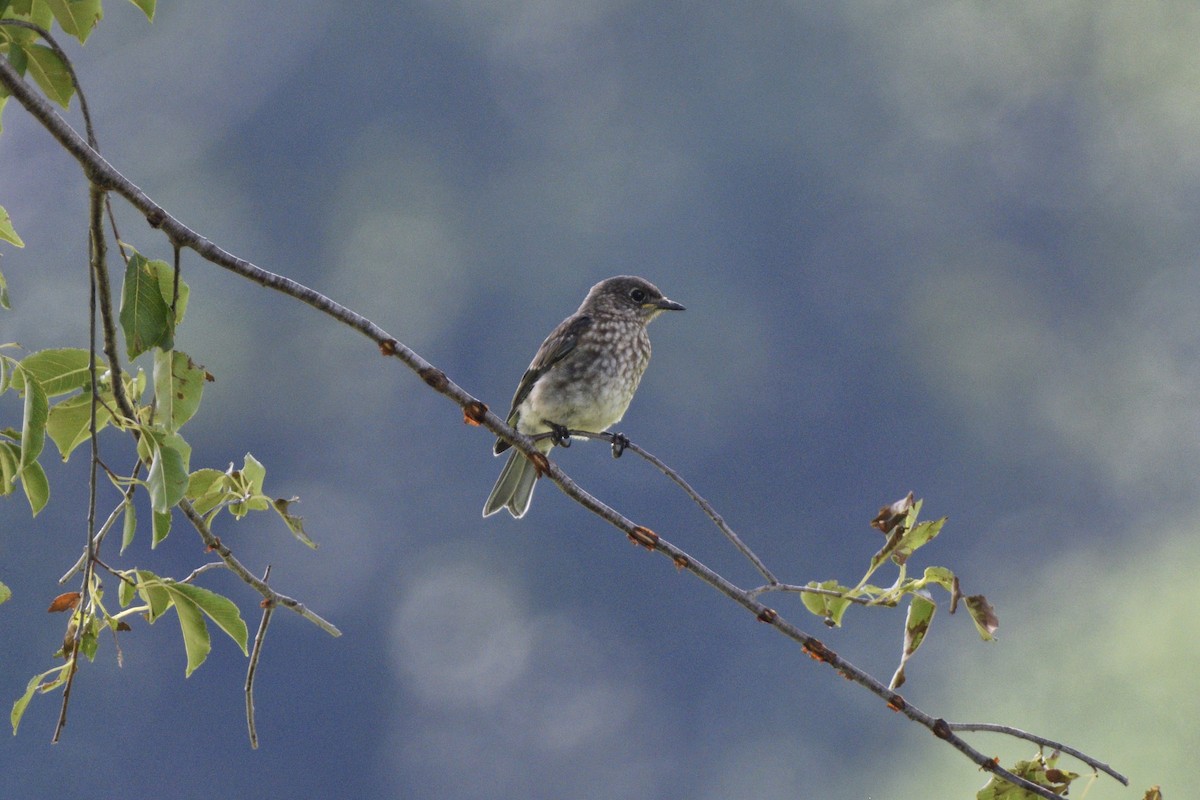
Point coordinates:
[(941, 246)]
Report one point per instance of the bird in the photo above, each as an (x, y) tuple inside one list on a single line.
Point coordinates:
[(582, 378)]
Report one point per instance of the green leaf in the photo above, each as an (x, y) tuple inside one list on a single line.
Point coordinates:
[(128, 528), (248, 484), (917, 536), (10, 457), (18, 709), (76, 17), (829, 608), (8, 234), (191, 623), (147, 7), (940, 576), (168, 477), (1039, 770), (37, 488), (219, 609), (254, 472), (295, 523), (983, 615), (161, 526), (153, 591), (207, 489), (89, 642), (178, 386), (59, 371), (145, 316), (5, 593), (916, 624), (165, 274), (37, 683), (127, 589), (50, 73), (70, 421), (33, 425)]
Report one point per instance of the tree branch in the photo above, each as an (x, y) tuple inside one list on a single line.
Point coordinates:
[(99, 171)]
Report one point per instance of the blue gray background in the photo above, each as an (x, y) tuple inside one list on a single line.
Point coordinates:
[(941, 246)]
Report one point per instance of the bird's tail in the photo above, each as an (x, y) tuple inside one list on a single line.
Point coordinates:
[(514, 487)]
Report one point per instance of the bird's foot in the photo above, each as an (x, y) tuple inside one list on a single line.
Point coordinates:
[(619, 442), (560, 434)]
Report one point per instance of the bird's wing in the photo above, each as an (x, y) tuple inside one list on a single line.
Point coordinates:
[(558, 344)]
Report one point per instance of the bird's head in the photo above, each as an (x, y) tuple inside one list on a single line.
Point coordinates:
[(626, 295)]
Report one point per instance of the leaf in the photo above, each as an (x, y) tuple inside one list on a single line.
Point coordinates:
[(128, 528), (248, 485), (254, 472), (69, 424), (33, 426), (916, 624), (160, 527), (151, 589), (1039, 770), (178, 386), (37, 488), (89, 642), (76, 17), (10, 456), (18, 709), (127, 589), (147, 7), (168, 477), (207, 489), (37, 683), (9, 234), (191, 624), (915, 537), (50, 73), (219, 609), (5, 593), (3, 283), (831, 609), (892, 515), (64, 602), (145, 316), (940, 576), (983, 615), (59, 371), (295, 523), (165, 275)]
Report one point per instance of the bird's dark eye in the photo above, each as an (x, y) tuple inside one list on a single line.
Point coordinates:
[(638, 295)]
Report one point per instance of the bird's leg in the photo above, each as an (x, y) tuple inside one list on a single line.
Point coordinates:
[(619, 442), (559, 434)]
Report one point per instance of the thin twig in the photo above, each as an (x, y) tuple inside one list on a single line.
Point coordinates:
[(96, 253), (252, 669), (98, 538), (1017, 733), (788, 587), (204, 568), (705, 506), (238, 568)]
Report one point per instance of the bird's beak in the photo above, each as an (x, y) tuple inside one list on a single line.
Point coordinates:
[(668, 305)]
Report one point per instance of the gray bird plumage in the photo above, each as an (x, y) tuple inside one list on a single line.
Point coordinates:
[(582, 378)]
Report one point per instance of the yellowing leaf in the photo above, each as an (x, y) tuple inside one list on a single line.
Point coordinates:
[(8, 233)]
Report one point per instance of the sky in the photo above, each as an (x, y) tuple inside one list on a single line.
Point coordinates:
[(947, 247)]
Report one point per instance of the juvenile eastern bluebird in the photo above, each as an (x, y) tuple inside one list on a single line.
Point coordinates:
[(582, 378)]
